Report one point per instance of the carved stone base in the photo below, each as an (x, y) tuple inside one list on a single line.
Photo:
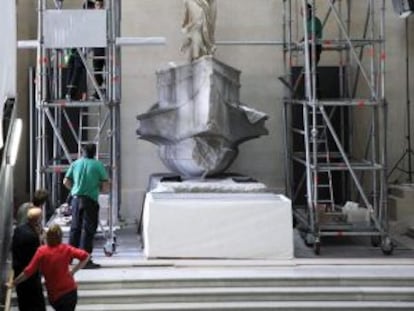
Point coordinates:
[(198, 121)]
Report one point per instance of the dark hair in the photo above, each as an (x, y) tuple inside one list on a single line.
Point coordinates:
[(88, 4), (40, 197), (89, 151)]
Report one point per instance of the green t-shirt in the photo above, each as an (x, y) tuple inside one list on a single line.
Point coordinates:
[(314, 26), (87, 176)]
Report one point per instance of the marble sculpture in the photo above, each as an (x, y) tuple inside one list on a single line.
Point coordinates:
[(198, 121), (199, 26)]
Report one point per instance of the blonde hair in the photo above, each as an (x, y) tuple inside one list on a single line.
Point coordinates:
[(54, 235)]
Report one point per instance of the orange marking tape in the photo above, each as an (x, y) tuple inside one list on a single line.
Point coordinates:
[(371, 52), (43, 60)]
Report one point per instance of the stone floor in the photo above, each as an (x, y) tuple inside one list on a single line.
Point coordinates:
[(129, 249)]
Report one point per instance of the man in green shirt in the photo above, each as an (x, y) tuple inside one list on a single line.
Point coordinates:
[(85, 178)]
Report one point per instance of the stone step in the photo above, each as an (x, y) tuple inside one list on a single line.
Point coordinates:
[(311, 286), (251, 294), (247, 282), (253, 306)]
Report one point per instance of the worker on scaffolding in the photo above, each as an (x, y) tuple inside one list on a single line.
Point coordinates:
[(74, 75), (76, 72), (314, 34)]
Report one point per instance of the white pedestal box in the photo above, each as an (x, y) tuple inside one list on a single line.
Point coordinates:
[(217, 225)]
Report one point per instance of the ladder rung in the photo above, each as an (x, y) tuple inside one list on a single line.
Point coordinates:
[(89, 113), (324, 186), (87, 142), (90, 128), (100, 72)]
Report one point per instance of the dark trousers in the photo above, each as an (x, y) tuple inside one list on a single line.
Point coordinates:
[(318, 52), (67, 302), (75, 76), (30, 294), (85, 212)]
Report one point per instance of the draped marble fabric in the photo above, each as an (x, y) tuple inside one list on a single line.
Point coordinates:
[(199, 27), (199, 121)]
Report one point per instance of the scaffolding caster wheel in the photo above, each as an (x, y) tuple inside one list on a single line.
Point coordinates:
[(375, 241), (110, 248), (387, 246), (309, 239), (317, 247)]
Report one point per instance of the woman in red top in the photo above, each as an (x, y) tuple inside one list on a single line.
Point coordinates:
[(53, 261)]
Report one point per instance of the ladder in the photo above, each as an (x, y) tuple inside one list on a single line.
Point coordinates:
[(322, 185), (89, 129), (99, 68)]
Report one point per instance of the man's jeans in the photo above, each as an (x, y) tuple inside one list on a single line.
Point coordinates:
[(85, 213)]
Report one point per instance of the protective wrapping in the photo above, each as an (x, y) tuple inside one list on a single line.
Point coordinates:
[(62, 28)]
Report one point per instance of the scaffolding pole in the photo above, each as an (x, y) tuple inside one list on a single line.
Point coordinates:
[(361, 179)]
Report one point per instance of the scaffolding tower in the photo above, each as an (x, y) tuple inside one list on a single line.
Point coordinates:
[(62, 125), (324, 169)]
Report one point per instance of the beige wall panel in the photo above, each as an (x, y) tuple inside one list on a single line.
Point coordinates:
[(260, 65)]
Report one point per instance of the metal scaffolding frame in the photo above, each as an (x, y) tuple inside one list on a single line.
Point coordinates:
[(363, 177), (51, 114), (53, 128)]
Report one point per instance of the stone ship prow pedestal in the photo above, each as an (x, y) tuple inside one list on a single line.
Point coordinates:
[(198, 121)]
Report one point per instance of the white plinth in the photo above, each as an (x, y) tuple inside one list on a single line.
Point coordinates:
[(201, 225)]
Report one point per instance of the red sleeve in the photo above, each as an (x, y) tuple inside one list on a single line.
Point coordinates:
[(33, 265), (78, 253)]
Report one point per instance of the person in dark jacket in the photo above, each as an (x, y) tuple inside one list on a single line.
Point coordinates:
[(53, 260), (40, 198), (26, 240)]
